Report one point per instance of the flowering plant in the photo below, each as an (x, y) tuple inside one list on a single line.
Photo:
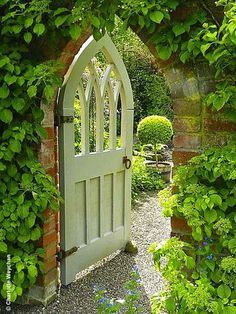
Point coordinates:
[(130, 303)]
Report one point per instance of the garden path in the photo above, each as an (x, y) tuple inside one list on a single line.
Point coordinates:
[(148, 226)]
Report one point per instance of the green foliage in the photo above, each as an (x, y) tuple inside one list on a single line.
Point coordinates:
[(151, 94), (202, 276), (130, 303), (154, 130), (144, 178)]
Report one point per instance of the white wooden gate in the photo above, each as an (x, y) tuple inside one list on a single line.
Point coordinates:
[(96, 186)]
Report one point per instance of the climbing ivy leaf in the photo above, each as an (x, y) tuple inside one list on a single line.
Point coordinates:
[(156, 16)]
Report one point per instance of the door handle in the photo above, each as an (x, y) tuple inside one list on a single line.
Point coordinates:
[(127, 162)]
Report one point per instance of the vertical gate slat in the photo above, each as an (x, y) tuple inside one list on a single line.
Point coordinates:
[(87, 211), (113, 202), (101, 206), (84, 104)]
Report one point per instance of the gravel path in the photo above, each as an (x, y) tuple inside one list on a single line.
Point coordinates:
[(148, 226)]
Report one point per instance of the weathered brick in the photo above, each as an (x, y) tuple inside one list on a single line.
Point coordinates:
[(50, 264), (217, 124), (48, 238), (188, 125), (183, 107), (52, 275), (179, 225), (191, 141), (182, 157), (216, 139), (50, 225)]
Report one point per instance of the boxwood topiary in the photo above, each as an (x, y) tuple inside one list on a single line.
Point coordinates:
[(154, 130)]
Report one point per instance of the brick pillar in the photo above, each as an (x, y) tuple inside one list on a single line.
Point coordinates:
[(46, 287)]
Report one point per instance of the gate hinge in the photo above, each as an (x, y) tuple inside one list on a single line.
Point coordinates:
[(63, 119), (61, 255)]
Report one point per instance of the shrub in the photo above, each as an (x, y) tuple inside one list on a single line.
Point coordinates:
[(202, 276), (144, 179), (155, 130)]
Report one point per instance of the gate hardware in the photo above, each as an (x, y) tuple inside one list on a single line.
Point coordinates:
[(61, 255), (127, 162), (63, 119)]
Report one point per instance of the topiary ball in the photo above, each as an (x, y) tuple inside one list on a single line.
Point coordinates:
[(154, 130)]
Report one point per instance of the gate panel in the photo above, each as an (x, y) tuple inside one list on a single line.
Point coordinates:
[(94, 182)]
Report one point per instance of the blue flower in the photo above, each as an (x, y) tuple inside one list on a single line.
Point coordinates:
[(103, 300), (209, 257), (205, 243), (139, 280), (135, 267), (200, 248), (108, 305)]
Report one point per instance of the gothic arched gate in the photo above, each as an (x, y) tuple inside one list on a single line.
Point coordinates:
[(96, 182)]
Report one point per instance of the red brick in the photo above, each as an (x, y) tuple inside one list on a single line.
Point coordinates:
[(51, 250), (217, 124), (49, 277), (182, 157), (49, 226), (50, 132), (188, 125), (192, 141), (48, 238), (50, 264), (184, 107), (179, 225)]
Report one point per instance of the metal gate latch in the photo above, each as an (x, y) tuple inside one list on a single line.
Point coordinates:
[(61, 255), (127, 162)]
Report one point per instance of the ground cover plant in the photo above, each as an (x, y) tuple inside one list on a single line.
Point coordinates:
[(144, 179), (32, 35), (201, 274), (129, 304)]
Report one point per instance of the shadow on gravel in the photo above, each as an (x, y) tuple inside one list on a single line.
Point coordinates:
[(78, 297)]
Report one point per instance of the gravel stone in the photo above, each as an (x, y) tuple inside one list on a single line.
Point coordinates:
[(111, 273)]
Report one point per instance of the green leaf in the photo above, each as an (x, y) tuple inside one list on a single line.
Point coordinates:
[(164, 52), (10, 79), (23, 238), (27, 179), (48, 91), (28, 37), (61, 20), (3, 61), (18, 104), (6, 115), (75, 31), (204, 48), (172, 4), (178, 29), (197, 234), (31, 220), (15, 146), (2, 166), (190, 262), (32, 271), (11, 170), (216, 199), (210, 215), (3, 247), (32, 91), (224, 291), (156, 16), (28, 22), (4, 92), (41, 132), (35, 234), (39, 29), (95, 22)]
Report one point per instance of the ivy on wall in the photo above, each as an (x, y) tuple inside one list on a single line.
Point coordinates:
[(32, 34)]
